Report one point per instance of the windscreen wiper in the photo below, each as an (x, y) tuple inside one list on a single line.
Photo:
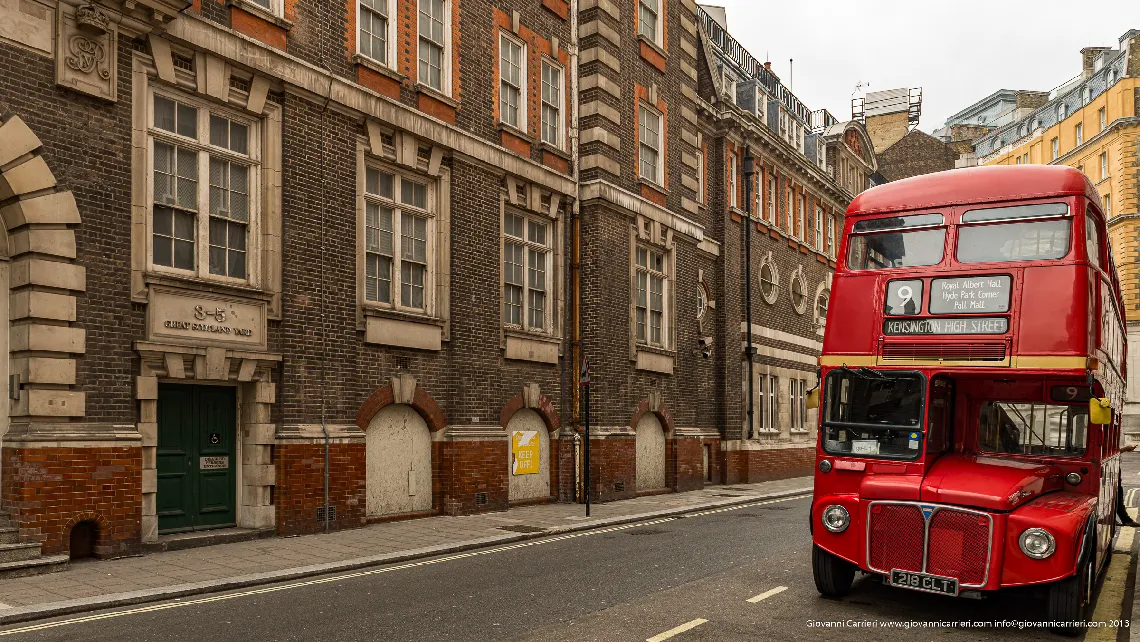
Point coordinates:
[(871, 374)]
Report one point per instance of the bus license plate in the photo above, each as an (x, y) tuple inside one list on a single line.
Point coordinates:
[(924, 582)]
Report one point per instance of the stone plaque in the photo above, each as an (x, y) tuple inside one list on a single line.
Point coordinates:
[(205, 318), (86, 57)]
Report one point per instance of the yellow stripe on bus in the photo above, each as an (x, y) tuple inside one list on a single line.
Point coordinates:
[(1031, 362)]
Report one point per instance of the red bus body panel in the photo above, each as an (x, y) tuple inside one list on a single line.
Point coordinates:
[(1064, 317)]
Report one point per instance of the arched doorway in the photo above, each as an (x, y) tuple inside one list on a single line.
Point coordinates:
[(650, 464), (531, 431), (398, 460)]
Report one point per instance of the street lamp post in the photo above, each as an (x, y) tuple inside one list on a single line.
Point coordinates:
[(749, 172)]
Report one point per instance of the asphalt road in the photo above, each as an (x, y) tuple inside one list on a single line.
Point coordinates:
[(624, 583)]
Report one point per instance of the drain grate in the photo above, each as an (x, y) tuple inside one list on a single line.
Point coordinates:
[(522, 528), (619, 487), (321, 513), (480, 499)]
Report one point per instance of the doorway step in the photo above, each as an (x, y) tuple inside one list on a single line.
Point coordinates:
[(195, 539), (20, 559)]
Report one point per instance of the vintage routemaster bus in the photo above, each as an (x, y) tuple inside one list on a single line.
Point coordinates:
[(972, 378)]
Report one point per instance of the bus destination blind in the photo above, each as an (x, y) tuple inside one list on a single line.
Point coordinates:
[(970, 295), (936, 325)]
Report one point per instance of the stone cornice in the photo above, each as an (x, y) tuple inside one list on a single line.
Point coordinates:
[(368, 104), (634, 204)]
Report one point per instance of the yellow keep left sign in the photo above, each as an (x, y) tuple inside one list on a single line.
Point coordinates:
[(525, 451)]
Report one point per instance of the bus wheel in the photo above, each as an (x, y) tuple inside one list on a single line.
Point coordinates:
[(1068, 600), (833, 576)]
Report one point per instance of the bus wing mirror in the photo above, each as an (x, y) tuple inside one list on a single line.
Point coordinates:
[(813, 399), (1100, 412)]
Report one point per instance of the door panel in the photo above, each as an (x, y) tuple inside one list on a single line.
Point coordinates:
[(173, 457), (196, 457)]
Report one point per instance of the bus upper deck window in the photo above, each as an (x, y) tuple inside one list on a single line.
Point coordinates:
[(896, 241), (1018, 233)]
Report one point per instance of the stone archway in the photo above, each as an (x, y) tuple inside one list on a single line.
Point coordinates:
[(42, 282)]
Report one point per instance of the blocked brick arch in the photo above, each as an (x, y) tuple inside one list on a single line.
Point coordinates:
[(423, 403), (523, 492), (544, 408), (103, 542), (40, 220), (664, 415)]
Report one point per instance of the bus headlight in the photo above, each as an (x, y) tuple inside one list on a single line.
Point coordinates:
[(1037, 543), (836, 519)]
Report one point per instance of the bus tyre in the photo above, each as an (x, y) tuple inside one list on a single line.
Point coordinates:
[(833, 576), (1068, 600)]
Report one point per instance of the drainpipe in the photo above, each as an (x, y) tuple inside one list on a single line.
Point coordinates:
[(575, 249), (324, 286), (749, 172)]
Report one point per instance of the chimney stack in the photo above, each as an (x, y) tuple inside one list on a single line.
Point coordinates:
[(1088, 55)]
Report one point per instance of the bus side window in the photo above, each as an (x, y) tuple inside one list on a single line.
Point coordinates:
[(1094, 244), (941, 414)]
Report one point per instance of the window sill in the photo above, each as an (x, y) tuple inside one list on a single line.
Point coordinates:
[(261, 12), (553, 149), (378, 67), (515, 131), (526, 346), (401, 330), (435, 94), (373, 310), (653, 45), (205, 285), (652, 184), (653, 359)]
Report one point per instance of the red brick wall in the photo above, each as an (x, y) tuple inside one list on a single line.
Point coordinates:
[(748, 466), (470, 467), (47, 488), (300, 486), (686, 469), (612, 461)]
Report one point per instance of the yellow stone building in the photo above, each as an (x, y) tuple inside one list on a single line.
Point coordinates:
[(1092, 122)]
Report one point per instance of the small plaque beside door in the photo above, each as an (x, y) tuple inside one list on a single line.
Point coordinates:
[(214, 463)]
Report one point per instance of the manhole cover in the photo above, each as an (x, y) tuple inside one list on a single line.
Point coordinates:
[(522, 528), (647, 531)]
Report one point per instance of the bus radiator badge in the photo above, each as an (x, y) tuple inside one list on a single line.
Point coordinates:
[(927, 511)]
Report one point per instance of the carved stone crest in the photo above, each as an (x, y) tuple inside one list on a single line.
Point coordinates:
[(87, 56)]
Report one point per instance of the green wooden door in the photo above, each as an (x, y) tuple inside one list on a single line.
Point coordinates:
[(196, 457)]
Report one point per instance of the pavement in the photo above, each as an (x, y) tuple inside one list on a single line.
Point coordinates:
[(91, 585), (739, 572)]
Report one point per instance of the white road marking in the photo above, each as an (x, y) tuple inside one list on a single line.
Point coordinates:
[(766, 594), (676, 631), (377, 571), (1124, 540)]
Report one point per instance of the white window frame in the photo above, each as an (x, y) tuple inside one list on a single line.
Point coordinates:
[(203, 151), (1107, 203), (831, 249), (659, 170), (791, 222), (666, 296), (274, 7), (389, 34), (818, 228), (801, 217), (733, 184), (644, 6), (560, 124), (700, 176), (772, 411), (1056, 146), (1103, 165), (773, 197), (1079, 131), (445, 55), (504, 38), (1102, 115), (399, 208), (546, 250)]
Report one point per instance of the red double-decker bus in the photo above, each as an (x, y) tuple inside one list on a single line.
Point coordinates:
[(971, 381)]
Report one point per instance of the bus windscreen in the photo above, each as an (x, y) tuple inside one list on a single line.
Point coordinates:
[(873, 414)]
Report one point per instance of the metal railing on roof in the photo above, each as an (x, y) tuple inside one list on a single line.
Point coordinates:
[(820, 120), (751, 67)]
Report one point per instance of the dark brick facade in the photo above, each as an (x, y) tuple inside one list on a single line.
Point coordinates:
[(915, 154)]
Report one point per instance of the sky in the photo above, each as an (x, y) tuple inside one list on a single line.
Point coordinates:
[(957, 53)]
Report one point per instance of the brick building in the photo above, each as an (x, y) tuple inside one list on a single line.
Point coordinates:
[(286, 265), (807, 168)]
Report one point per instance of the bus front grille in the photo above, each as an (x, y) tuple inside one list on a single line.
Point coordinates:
[(896, 536), (950, 542), (911, 350)]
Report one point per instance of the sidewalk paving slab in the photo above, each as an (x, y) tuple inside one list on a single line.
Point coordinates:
[(263, 561)]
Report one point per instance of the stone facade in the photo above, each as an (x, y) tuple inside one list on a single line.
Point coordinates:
[(915, 154), (369, 243)]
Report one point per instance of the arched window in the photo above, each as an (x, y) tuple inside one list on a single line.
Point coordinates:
[(821, 304)]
